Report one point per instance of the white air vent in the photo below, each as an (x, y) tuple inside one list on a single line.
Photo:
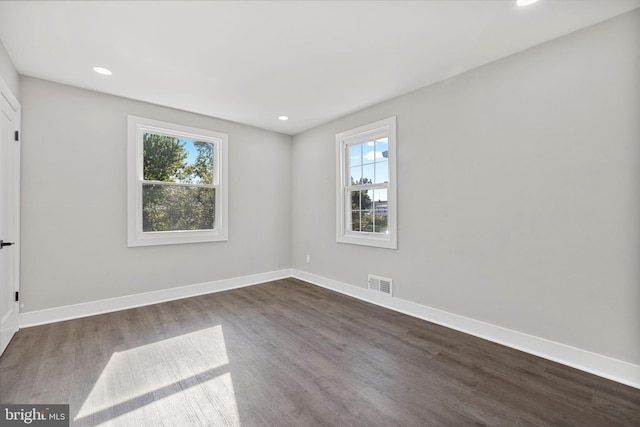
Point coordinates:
[(381, 284)]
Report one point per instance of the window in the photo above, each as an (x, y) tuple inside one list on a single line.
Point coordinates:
[(366, 185), (177, 184)]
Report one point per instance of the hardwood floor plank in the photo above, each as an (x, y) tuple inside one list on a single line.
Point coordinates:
[(617, 411), (15, 366), (58, 358), (288, 353)]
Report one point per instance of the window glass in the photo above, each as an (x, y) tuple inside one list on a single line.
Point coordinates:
[(171, 208)]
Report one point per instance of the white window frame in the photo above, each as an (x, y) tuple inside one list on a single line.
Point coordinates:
[(137, 126), (381, 129)]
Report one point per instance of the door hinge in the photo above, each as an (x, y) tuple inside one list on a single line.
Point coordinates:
[(17, 296), (17, 136)]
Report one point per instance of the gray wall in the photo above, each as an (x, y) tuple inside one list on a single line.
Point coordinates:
[(519, 193), (8, 72), (74, 194)]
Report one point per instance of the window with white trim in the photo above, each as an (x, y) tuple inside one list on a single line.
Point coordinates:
[(366, 185), (177, 182)]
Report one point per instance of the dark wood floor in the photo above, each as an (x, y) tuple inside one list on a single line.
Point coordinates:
[(287, 353)]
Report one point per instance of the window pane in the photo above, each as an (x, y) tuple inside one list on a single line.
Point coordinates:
[(368, 152), (355, 157), (382, 149), (360, 200), (380, 198), (366, 222), (355, 221), (199, 164), (365, 199), (380, 219), (367, 174), (356, 175), (382, 164), (171, 159), (355, 200), (171, 208), (382, 172), (164, 157)]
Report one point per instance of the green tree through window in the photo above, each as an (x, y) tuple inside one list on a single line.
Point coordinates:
[(363, 215), (175, 195)]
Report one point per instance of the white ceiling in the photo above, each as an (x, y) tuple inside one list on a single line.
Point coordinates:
[(251, 61)]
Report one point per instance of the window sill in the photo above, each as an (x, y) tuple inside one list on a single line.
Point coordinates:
[(369, 239), (175, 238)]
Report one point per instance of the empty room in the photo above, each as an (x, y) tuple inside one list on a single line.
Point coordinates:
[(320, 213)]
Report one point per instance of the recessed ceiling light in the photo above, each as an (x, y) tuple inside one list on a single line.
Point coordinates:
[(525, 2), (102, 70), (283, 118)]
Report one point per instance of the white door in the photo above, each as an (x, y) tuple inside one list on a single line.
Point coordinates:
[(9, 214)]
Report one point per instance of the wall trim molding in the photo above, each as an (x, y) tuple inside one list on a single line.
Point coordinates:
[(584, 360), (92, 308)]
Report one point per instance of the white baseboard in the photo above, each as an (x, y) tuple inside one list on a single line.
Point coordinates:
[(597, 364), (68, 312)]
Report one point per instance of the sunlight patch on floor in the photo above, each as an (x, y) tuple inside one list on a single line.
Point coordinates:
[(175, 381)]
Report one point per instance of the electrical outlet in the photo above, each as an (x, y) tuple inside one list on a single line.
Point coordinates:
[(308, 259)]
